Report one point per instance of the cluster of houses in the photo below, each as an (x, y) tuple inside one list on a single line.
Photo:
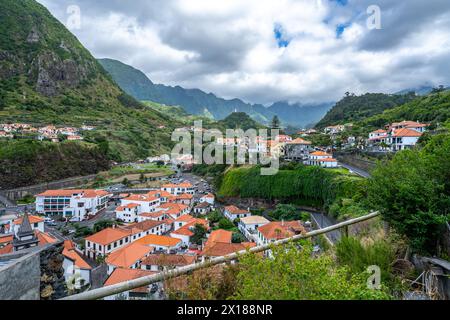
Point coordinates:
[(157, 231), (397, 136), (48, 132), (284, 146), (23, 233)]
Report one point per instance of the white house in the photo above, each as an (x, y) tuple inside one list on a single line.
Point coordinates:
[(74, 204), (178, 189), (128, 213), (322, 159), (249, 226), (77, 271), (208, 198), (402, 139), (106, 241), (147, 203), (37, 223), (232, 213), (202, 208)]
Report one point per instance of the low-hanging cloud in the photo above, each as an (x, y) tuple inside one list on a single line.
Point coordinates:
[(230, 47)]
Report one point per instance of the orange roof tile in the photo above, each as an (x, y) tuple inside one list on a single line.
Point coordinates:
[(156, 240), (280, 230), (122, 275), (70, 252), (221, 236), (407, 133), (33, 219), (184, 218), (144, 225), (321, 154), (173, 260), (44, 238), (6, 239), (127, 256), (6, 249), (235, 210), (109, 235)]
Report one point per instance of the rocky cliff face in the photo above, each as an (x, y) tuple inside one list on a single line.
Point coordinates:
[(55, 74)]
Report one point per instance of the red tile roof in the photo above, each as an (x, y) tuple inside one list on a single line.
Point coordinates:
[(122, 275), (109, 235), (173, 260), (127, 256), (70, 252), (281, 230), (33, 219), (407, 133), (235, 210)]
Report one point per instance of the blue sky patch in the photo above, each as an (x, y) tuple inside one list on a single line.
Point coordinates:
[(280, 36), (340, 28)]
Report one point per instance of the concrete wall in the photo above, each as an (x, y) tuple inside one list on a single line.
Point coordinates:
[(20, 280), (355, 160), (33, 274)]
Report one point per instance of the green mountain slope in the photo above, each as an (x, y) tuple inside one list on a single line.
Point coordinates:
[(197, 102), (433, 108), (48, 77), (355, 108)]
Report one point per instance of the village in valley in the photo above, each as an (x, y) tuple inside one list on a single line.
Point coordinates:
[(42, 133), (120, 233)]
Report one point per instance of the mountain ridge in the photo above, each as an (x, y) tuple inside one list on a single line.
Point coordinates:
[(197, 102)]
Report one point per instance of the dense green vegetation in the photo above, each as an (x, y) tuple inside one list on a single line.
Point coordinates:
[(318, 186), (433, 108), (306, 278), (357, 256), (239, 120), (34, 45), (413, 192), (27, 162), (354, 108), (293, 273)]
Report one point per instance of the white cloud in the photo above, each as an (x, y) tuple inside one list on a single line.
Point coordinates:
[(228, 47)]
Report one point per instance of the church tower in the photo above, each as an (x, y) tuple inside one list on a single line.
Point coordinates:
[(25, 237)]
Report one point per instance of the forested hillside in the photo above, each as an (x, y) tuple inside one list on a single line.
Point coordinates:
[(354, 108), (48, 77)]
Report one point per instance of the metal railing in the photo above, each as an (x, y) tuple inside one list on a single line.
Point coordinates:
[(147, 280)]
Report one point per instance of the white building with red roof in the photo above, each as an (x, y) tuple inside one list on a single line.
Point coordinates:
[(322, 159), (77, 271), (74, 204), (402, 139), (178, 189), (232, 213)]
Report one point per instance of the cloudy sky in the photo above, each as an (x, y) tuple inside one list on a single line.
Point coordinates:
[(270, 50)]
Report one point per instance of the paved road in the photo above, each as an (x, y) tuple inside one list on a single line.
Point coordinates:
[(358, 171), (6, 202), (324, 221)]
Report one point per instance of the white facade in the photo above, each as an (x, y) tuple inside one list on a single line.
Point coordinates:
[(128, 214), (74, 204), (249, 227), (234, 213)]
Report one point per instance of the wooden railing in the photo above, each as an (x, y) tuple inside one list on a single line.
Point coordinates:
[(145, 281)]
